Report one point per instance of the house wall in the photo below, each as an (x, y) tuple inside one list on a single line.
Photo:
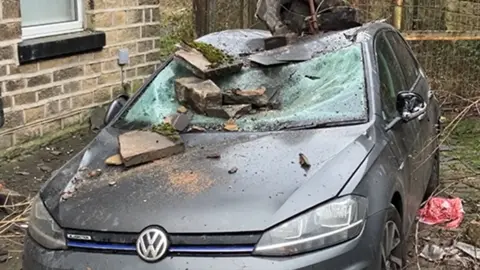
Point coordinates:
[(45, 96)]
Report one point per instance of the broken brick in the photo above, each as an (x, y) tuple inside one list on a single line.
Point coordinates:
[(217, 112), (198, 94), (114, 160), (193, 60), (205, 95), (230, 125), (138, 147), (255, 97), (183, 86), (182, 109), (236, 111)]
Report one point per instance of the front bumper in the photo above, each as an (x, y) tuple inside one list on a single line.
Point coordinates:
[(360, 253)]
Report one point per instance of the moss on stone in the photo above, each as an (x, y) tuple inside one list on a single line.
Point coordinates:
[(166, 130), (214, 55)]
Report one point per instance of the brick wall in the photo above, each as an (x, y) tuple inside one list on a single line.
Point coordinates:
[(45, 96)]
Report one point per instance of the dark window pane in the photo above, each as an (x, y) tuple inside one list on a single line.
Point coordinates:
[(391, 77), (405, 57)]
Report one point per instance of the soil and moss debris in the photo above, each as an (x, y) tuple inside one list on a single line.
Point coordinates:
[(214, 55), (167, 130)]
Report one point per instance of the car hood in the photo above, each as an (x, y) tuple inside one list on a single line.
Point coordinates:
[(192, 193)]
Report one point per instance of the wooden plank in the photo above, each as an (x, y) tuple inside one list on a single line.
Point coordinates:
[(201, 17), (441, 35)]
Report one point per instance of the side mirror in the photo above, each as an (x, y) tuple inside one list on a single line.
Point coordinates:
[(410, 105), (115, 107), (2, 116)]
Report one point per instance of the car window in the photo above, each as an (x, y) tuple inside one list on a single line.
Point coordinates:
[(330, 88), (405, 58), (391, 78)]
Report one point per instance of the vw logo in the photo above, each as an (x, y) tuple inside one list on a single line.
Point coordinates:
[(152, 244)]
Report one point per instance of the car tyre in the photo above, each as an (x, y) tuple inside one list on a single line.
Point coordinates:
[(392, 242)]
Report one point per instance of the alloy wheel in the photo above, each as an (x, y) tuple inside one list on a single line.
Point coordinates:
[(391, 254)]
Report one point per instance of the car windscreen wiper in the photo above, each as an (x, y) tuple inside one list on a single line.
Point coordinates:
[(321, 125)]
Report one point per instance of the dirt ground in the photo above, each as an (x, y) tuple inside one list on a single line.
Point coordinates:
[(460, 170)]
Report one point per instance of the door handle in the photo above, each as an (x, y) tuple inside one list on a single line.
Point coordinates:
[(422, 116)]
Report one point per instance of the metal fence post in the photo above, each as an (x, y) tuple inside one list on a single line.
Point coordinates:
[(398, 14)]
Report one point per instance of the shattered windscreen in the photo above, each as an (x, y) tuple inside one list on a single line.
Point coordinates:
[(327, 88)]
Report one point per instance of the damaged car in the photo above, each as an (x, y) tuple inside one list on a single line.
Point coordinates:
[(312, 155)]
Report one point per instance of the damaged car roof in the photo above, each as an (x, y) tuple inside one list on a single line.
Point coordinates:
[(249, 42)]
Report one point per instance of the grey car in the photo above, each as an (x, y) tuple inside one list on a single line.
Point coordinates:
[(360, 110)]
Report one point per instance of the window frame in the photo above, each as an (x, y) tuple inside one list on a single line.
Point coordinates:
[(31, 32), (378, 36), (390, 36)]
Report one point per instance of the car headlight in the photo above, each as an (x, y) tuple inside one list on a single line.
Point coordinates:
[(329, 224), (43, 229)]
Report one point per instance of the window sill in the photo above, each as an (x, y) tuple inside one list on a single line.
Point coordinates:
[(60, 46)]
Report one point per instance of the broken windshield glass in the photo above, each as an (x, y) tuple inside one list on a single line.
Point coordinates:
[(327, 88)]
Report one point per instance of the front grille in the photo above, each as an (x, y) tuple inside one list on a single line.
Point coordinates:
[(180, 244)]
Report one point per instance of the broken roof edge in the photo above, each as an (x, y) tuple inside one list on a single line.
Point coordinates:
[(244, 42)]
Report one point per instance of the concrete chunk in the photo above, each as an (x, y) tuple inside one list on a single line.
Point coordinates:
[(115, 160), (138, 147), (236, 111), (193, 60), (217, 112), (198, 94), (205, 95), (183, 86), (256, 97)]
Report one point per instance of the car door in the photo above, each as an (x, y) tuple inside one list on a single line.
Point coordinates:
[(403, 137), (422, 126)]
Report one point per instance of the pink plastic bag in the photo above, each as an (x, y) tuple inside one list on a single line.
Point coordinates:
[(441, 210)]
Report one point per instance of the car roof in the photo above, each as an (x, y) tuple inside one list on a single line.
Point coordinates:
[(242, 42)]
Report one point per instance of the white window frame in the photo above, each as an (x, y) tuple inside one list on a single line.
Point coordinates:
[(30, 32)]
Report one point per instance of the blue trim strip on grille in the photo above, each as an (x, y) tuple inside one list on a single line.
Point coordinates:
[(211, 249), (175, 249), (106, 246)]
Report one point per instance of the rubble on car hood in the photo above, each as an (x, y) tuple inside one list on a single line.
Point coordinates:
[(217, 171)]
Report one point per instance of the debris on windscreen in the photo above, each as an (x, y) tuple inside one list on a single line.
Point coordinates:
[(115, 160), (303, 160), (256, 97), (167, 130), (230, 125), (204, 97), (206, 61)]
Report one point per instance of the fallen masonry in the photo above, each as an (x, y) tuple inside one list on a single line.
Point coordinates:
[(204, 68), (139, 147), (195, 94), (256, 97)]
